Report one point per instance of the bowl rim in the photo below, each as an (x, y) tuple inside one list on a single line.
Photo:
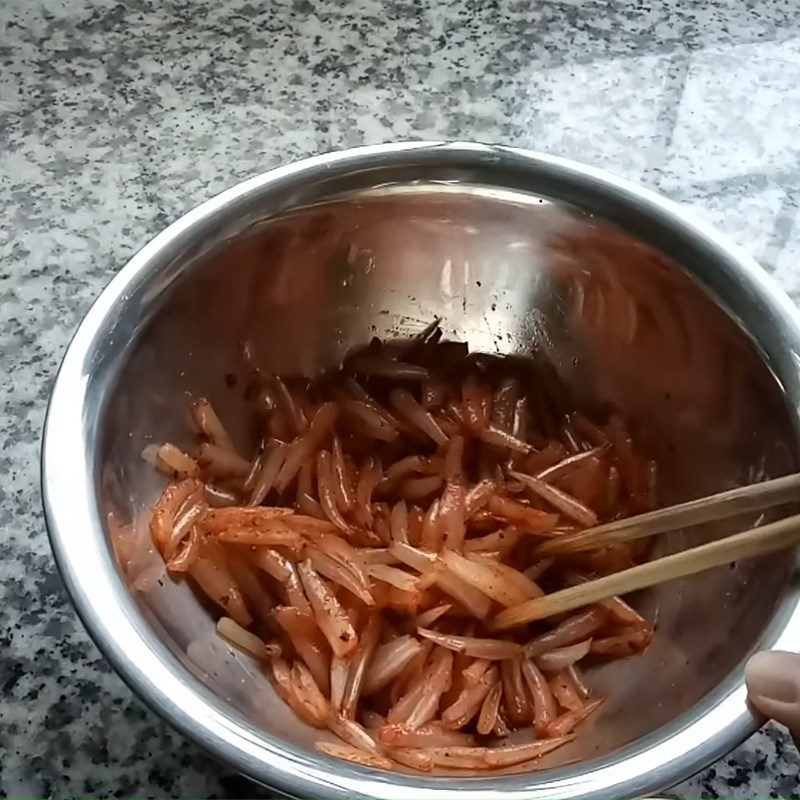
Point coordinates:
[(82, 554)]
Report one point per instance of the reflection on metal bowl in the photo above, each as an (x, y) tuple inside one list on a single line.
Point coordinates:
[(633, 303)]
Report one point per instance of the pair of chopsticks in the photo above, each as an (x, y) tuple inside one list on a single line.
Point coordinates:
[(779, 535)]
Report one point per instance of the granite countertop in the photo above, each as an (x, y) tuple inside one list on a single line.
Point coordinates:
[(115, 118)]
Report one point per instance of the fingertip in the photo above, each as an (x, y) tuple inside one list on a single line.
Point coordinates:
[(773, 685), (774, 675)]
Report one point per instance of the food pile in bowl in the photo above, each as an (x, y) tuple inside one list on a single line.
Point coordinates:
[(377, 551)]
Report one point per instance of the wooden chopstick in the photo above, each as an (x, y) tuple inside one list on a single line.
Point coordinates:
[(754, 497), (768, 538)]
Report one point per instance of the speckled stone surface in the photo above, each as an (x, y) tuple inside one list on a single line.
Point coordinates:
[(117, 117)]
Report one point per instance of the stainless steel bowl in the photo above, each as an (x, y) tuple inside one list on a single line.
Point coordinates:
[(633, 301)]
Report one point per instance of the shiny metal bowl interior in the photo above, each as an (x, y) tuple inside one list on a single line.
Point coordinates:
[(633, 304)]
